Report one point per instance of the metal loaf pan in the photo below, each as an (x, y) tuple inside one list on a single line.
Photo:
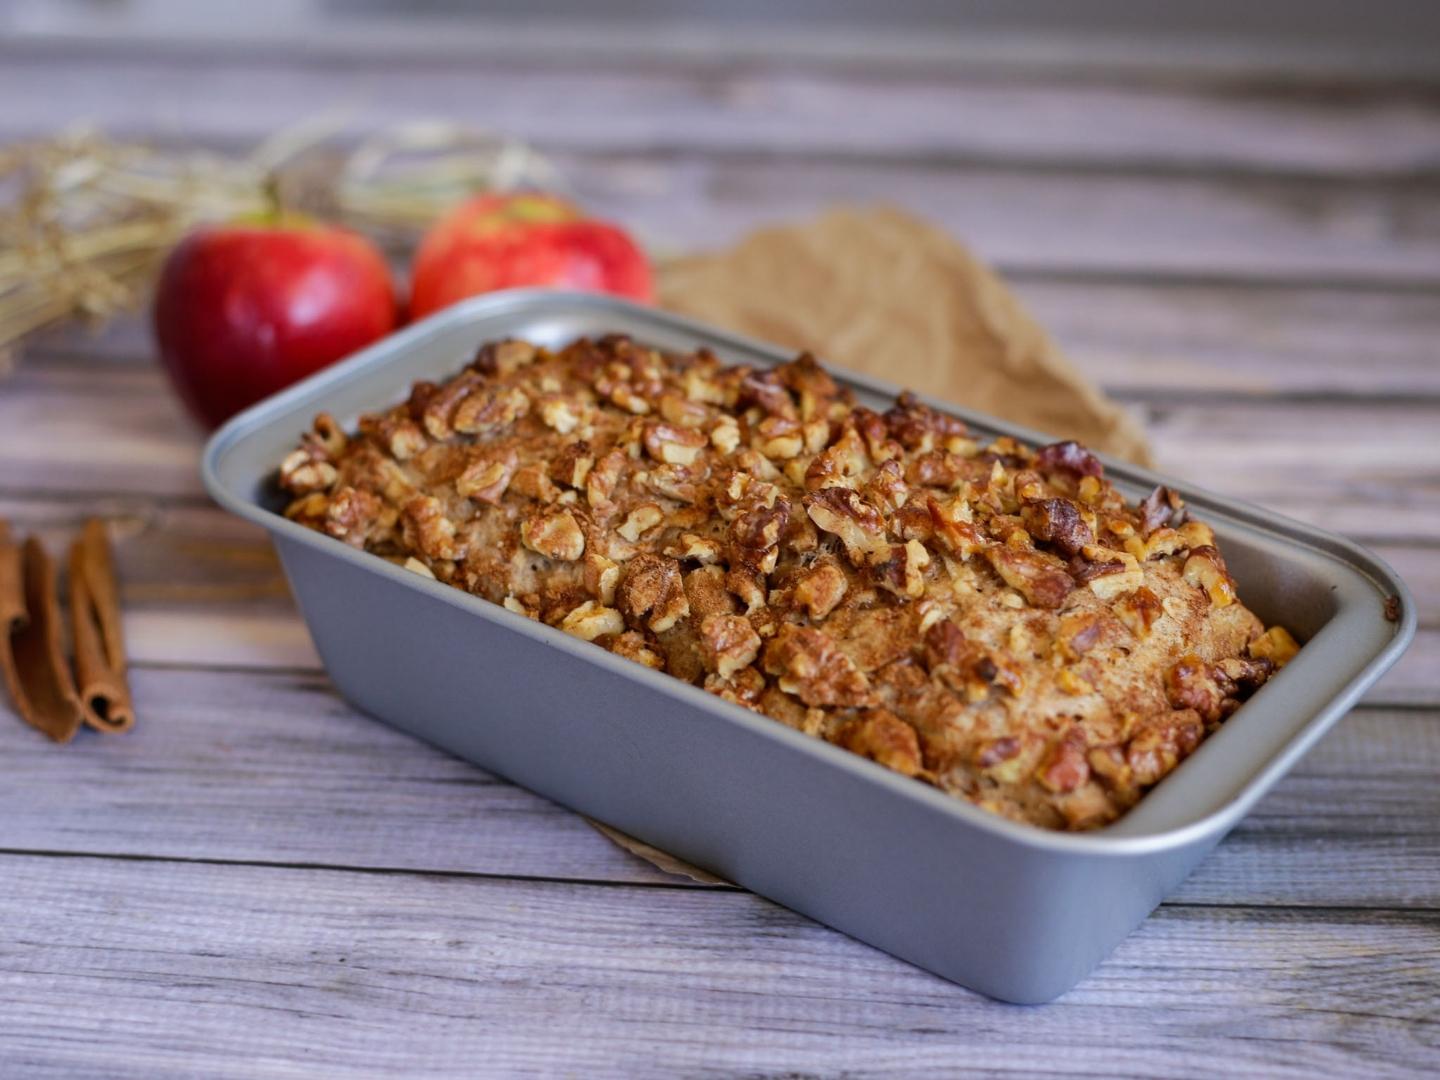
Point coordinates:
[(1016, 912)]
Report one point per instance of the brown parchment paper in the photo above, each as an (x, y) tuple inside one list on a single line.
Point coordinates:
[(881, 292), (878, 291)]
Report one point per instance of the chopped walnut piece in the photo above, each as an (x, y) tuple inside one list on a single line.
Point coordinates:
[(428, 529), (559, 414), (601, 576), (673, 445), (590, 621), (1206, 570), (809, 666), (486, 478), (1039, 579), (1191, 684), (1078, 633), (845, 514), (903, 572), (1058, 522), (1065, 767), (725, 435), (602, 478), (1070, 457), (488, 414), (1162, 508), (633, 646), (640, 521), (503, 357), (1072, 682), (1275, 645), (1139, 610), (728, 643), (555, 534), (779, 438), (821, 590), (301, 474), (651, 593), (883, 737)]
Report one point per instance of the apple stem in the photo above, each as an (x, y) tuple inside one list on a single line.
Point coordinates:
[(274, 195)]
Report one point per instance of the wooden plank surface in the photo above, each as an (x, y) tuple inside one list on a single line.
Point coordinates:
[(259, 881), (264, 971), (248, 754)]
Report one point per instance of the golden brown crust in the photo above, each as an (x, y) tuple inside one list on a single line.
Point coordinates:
[(993, 620)]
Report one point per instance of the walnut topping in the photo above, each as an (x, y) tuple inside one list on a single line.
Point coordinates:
[(1275, 645), (953, 530), (728, 643), (821, 590), (779, 438), (810, 666), (399, 435), (903, 572), (1065, 767), (601, 480), (1036, 577), (503, 357), (845, 514), (428, 529), (673, 445), (882, 736), (994, 620), (486, 478), (1069, 457), (633, 646), (725, 435), (571, 466), (300, 473), (1162, 508), (1206, 570), (559, 414), (1139, 610), (490, 413), (1078, 633), (555, 534), (1120, 573), (590, 621), (640, 521), (651, 593), (533, 482), (1190, 684), (1161, 542), (1058, 522), (600, 576)]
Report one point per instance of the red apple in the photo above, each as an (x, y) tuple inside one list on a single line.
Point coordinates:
[(246, 309), (505, 241)]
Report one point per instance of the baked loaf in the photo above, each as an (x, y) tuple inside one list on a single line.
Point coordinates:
[(994, 620)]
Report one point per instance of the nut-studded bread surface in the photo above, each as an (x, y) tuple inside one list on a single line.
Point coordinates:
[(990, 619)]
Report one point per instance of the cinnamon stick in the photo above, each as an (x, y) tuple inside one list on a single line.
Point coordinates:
[(32, 657), (95, 624)]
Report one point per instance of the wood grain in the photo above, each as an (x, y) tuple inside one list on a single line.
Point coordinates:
[(250, 754), (739, 108), (273, 972)]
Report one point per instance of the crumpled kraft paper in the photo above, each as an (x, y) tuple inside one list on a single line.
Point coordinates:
[(880, 292)]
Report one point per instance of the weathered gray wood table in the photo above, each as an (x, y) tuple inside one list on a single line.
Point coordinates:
[(259, 881)]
